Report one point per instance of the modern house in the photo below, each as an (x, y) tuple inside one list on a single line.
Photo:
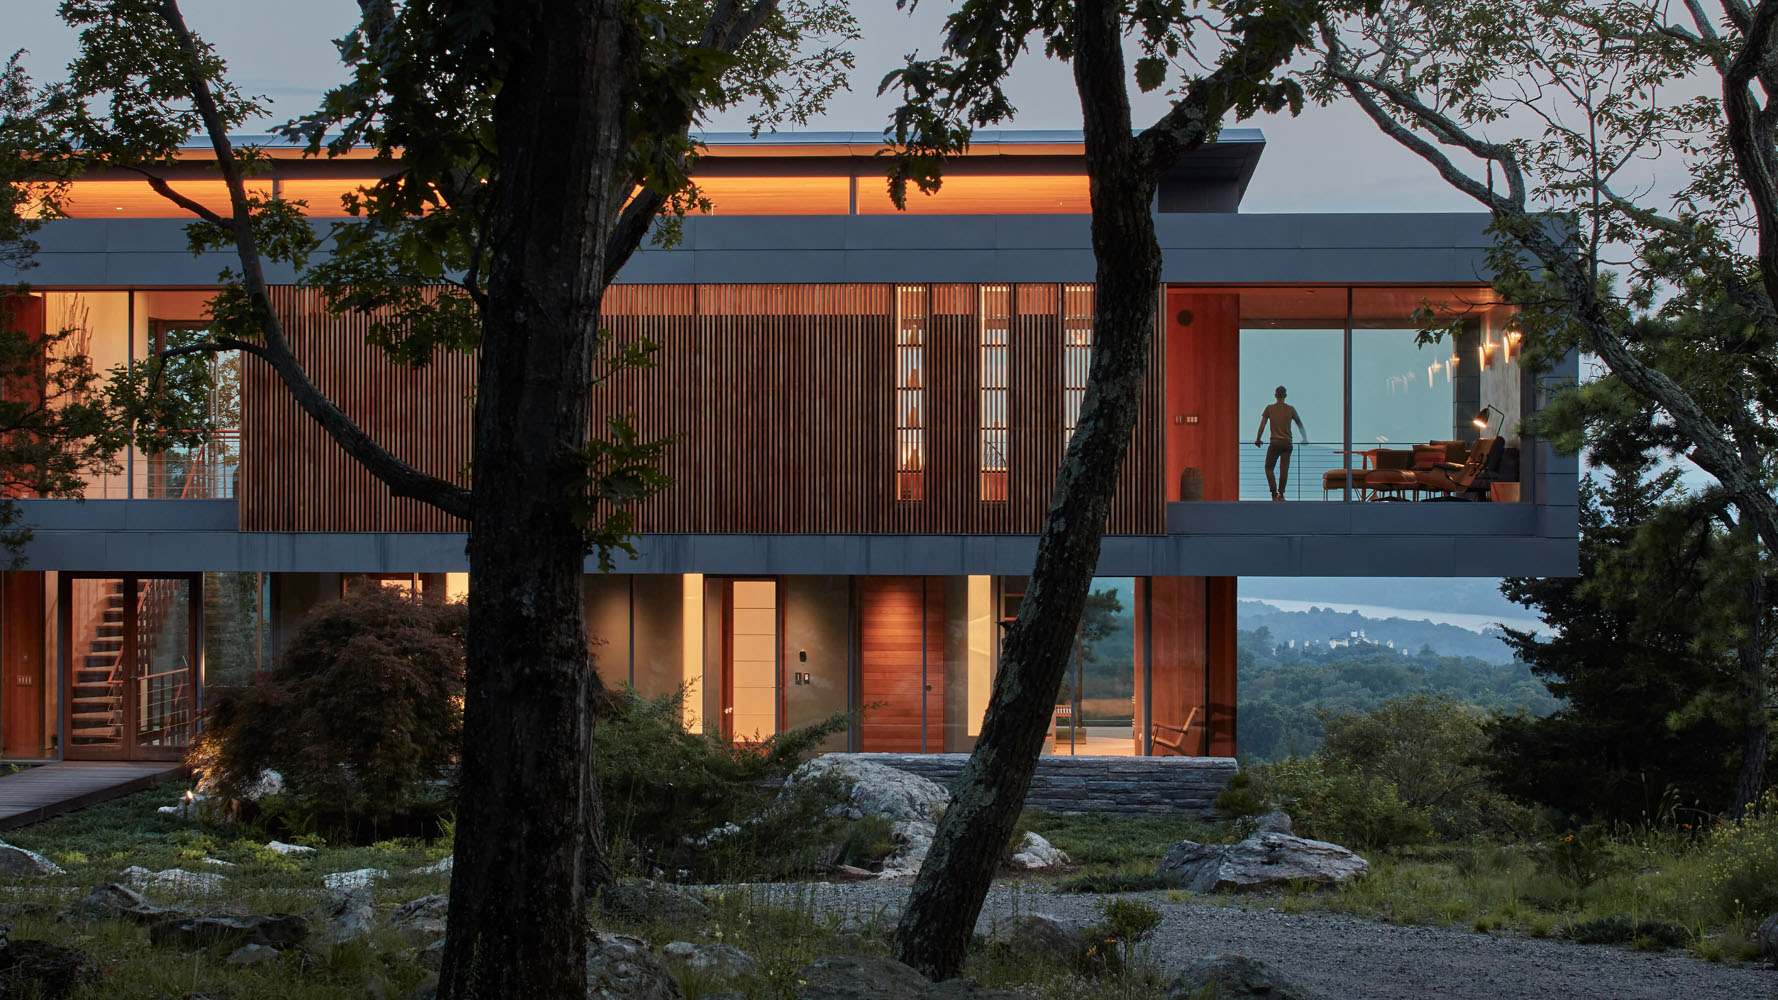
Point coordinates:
[(868, 408)]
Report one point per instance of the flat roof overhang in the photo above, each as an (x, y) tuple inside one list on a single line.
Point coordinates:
[(1208, 248)]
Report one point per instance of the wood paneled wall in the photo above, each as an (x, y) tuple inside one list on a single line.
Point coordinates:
[(1192, 642), (294, 478), (1203, 366), (902, 663), (778, 400)]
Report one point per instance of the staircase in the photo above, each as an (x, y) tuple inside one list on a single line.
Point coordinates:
[(95, 702)]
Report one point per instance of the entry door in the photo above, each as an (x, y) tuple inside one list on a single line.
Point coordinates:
[(131, 664), (750, 687)]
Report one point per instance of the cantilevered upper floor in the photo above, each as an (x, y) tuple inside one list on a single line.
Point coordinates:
[(850, 390)]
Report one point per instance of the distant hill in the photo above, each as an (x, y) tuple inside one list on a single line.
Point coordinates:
[(1435, 595), (1326, 628)]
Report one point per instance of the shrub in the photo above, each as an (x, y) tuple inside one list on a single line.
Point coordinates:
[(362, 715), (678, 801), (1344, 808), (1739, 861), (1428, 749), (1623, 930), (1580, 858)]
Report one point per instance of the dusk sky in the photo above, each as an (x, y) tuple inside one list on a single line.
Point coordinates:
[(1327, 160)]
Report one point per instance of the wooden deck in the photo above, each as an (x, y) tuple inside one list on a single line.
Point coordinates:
[(37, 793)]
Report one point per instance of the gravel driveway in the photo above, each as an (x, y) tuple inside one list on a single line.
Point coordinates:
[(1348, 958)]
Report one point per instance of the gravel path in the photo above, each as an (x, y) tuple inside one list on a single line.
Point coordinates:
[(1349, 958)]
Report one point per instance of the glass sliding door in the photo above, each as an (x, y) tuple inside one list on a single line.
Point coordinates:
[(131, 664)]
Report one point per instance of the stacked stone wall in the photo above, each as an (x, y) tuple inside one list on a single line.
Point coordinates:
[(1166, 786)]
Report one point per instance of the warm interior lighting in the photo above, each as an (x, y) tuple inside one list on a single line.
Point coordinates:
[(691, 634), (980, 603), (1481, 417)]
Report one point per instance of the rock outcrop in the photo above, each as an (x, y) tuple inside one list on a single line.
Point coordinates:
[(16, 861), (344, 914), (1262, 860), (621, 967), (1034, 853), (1234, 977)]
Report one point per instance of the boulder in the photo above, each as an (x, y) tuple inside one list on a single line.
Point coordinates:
[(653, 902), (913, 841), (253, 954), (421, 921), (1045, 935), (621, 967), (440, 868), (190, 806), (1233, 977), (1034, 852), (43, 970), (174, 880), (860, 977), (722, 960), (433, 956), (344, 914), (1767, 936), (267, 784), (874, 789), (279, 847), (1262, 860), (18, 861), (353, 879), (276, 930), (1276, 821), (114, 902)]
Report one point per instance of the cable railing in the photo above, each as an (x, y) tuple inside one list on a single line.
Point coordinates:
[(1309, 460)]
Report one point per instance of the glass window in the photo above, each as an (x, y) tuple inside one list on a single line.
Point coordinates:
[(1291, 386), (996, 322), (211, 384), (910, 394)]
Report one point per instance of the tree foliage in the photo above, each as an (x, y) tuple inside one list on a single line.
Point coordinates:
[(1644, 656), (362, 716), (1549, 113)]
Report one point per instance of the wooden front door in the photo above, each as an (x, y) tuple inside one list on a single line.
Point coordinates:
[(132, 665), (902, 681)]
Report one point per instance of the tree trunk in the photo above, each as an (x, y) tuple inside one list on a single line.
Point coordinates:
[(518, 925), (1755, 722), (934, 932)]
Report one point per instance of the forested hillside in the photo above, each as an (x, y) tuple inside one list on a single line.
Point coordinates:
[(1284, 691)]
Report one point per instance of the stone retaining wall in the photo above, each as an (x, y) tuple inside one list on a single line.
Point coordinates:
[(1179, 786)]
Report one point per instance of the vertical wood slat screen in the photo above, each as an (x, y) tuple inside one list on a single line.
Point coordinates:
[(779, 400)]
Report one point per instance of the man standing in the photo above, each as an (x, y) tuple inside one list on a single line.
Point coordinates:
[(1280, 415)]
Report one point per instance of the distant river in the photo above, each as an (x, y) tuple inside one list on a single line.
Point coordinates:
[(1475, 623)]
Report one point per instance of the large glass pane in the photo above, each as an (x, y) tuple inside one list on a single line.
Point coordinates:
[(210, 388), (96, 616), (1415, 406), (236, 615), (1097, 709), (165, 676), (1291, 386), (94, 325)]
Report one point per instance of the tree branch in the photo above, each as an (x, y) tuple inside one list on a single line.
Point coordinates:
[(1750, 136), (402, 479), (165, 190)]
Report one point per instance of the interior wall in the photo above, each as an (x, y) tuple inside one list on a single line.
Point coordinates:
[(817, 641), (657, 639), (607, 597), (1203, 357)]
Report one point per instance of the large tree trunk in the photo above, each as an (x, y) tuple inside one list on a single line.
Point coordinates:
[(518, 898), (1755, 723), (934, 932)]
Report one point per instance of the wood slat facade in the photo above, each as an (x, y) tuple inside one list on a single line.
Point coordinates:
[(780, 401)]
